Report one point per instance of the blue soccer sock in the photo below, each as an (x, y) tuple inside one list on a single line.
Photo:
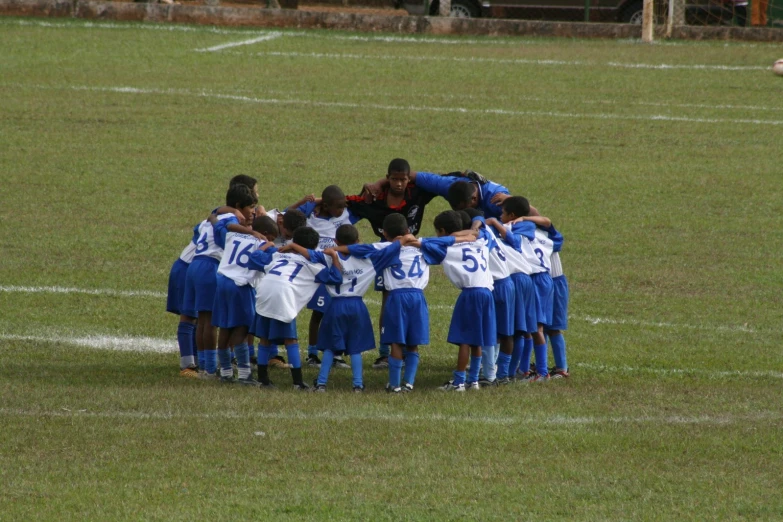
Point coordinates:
[(273, 351), (559, 351), (384, 350), (475, 367), (242, 352), (311, 350), (488, 362), (185, 336), (504, 361), (210, 361), (459, 378), (224, 356), (356, 370), (524, 365), (326, 365), (263, 354), (541, 359), (411, 366), (251, 351), (395, 372), (516, 355), (202, 360), (294, 359)]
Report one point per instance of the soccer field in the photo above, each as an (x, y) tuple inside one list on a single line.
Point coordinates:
[(660, 164)]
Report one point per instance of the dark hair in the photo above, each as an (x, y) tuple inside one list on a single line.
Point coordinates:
[(331, 195), (449, 221), (240, 196), (265, 225), (465, 219), (473, 212), (294, 219), (242, 179), (395, 225), (306, 237), (460, 194), (517, 205), (346, 235), (398, 165)]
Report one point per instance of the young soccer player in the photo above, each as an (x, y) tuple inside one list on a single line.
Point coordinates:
[(200, 281), (234, 308), (559, 317), (293, 274), (346, 326), (473, 321), (324, 215)]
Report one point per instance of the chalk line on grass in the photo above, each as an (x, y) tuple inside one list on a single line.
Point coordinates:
[(680, 371), (88, 291), (264, 38), (534, 420)]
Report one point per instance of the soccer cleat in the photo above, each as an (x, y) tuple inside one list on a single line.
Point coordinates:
[(503, 381), (358, 389), (318, 388), (279, 363), (407, 388), (540, 378), (267, 386), (190, 371), (204, 376), (249, 381), (472, 385), (381, 363), (228, 379), (525, 377), (339, 362), (313, 361), (486, 383), (557, 373), (300, 386), (389, 389), (450, 386)]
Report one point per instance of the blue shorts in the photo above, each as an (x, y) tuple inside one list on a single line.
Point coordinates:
[(200, 286), (320, 300), (274, 331), (545, 294), (525, 318), (560, 304), (346, 327), (406, 319), (503, 294), (473, 321), (176, 295), (234, 305)]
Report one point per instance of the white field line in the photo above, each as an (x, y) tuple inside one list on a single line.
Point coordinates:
[(590, 319), (267, 37), (534, 420), (681, 371), (509, 61), (413, 108)]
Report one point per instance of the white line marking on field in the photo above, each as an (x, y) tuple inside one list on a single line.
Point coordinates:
[(132, 26), (265, 38), (88, 291), (342, 416), (603, 320), (512, 61), (681, 371), (413, 108)]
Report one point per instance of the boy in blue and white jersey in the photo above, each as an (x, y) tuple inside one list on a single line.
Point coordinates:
[(234, 307), (346, 326), (186, 330), (325, 216), (559, 316), (505, 302), (293, 274), (406, 320), (473, 321), (201, 276)]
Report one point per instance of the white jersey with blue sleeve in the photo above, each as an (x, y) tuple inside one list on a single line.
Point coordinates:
[(290, 282), (360, 268), (205, 244), (465, 264), (188, 253), (525, 232), (543, 247), (236, 256), (498, 265), (327, 227), (412, 272)]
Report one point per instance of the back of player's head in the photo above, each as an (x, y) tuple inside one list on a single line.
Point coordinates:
[(332, 195), (240, 196), (398, 165), (306, 237), (473, 212), (395, 225), (460, 195), (294, 219), (465, 219), (346, 235), (242, 179), (516, 205), (448, 221), (265, 225)]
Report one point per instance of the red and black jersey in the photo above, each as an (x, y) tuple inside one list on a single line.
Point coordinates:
[(412, 207)]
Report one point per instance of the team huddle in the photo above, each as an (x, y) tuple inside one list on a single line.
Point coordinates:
[(248, 272)]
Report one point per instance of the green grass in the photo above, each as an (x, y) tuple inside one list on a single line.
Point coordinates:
[(116, 140)]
